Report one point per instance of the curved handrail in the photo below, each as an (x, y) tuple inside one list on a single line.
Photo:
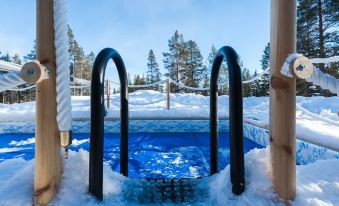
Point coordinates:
[(235, 115), (97, 119)]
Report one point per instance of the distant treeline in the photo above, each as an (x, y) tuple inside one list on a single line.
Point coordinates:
[(317, 37)]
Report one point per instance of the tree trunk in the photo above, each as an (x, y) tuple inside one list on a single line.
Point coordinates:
[(321, 34)]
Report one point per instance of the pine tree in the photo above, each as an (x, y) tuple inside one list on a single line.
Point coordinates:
[(223, 75), (139, 80), (129, 79), (263, 82), (143, 80), (6, 57), (32, 55), (246, 88), (153, 74), (194, 64), (16, 59), (206, 79), (82, 63), (255, 86), (317, 36), (175, 59), (87, 69)]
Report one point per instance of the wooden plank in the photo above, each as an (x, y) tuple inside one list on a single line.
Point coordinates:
[(283, 99), (47, 144)]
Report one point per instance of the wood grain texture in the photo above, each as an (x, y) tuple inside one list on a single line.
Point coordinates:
[(307, 67), (283, 99), (47, 143), (33, 72)]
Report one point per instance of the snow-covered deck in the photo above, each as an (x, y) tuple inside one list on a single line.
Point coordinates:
[(317, 183)]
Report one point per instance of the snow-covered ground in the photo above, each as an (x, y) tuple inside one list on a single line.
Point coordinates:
[(317, 183), (317, 117)]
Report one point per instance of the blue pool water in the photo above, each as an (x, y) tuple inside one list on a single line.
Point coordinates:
[(151, 155)]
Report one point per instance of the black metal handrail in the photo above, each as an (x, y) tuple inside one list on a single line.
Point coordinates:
[(235, 115), (97, 119)]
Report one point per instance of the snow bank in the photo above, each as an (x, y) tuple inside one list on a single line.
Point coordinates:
[(258, 187), (317, 183), (16, 182)]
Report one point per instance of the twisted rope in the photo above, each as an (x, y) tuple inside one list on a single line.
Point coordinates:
[(147, 85), (130, 102), (33, 86), (80, 87), (318, 78), (325, 60), (9, 66), (256, 77), (64, 107), (23, 89), (193, 88), (325, 81), (114, 82), (188, 87), (10, 80), (82, 82)]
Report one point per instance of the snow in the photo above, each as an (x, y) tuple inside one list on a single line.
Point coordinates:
[(23, 142), (311, 124), (317, 183)]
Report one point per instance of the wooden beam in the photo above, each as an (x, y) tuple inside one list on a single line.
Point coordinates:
[(33, 72), (283, 99), (47, 144)]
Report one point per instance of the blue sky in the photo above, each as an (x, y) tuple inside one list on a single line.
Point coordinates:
[(133, 27)]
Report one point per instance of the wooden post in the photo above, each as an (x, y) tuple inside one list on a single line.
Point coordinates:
[(47, 143), (108, 90), (168, 93), (283, 99)]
